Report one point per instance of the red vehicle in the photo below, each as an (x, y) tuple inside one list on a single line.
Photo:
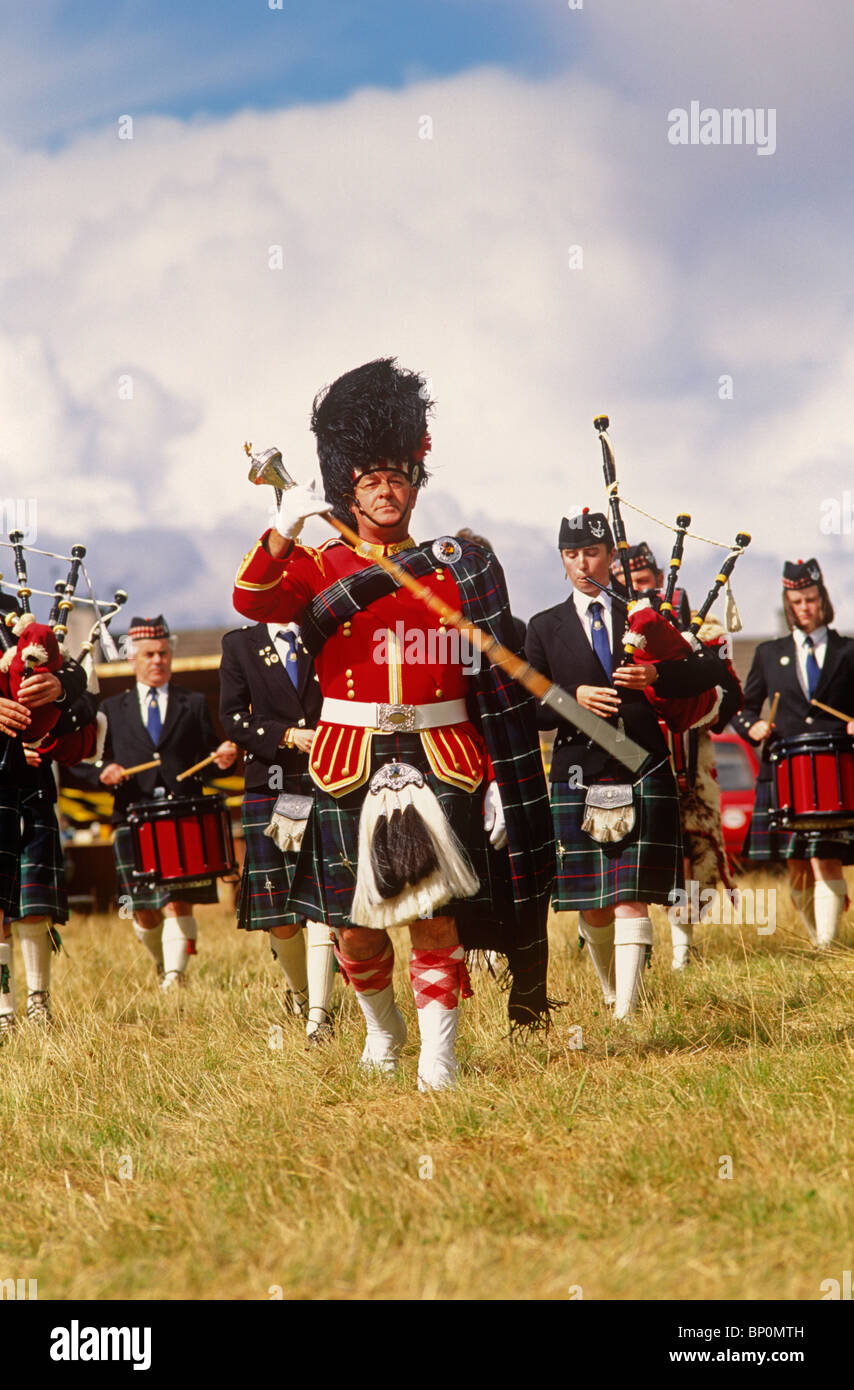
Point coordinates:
[(738, 767)]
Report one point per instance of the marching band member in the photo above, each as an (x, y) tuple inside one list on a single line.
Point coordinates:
[(813, 662), (429, 798), (270, 703), (157, 717), (609, 881), (32, 880), (692, 757)]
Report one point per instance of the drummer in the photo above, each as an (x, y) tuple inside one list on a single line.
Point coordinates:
[(813, 662), (157, 719)]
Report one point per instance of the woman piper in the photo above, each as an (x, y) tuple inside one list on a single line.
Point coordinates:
[(813, 662)]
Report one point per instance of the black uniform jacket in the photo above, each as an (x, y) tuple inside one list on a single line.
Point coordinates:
[(775, 667), (187, 736), (258, 702), (558, 646)]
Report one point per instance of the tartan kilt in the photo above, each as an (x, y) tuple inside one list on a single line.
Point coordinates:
[(267, 871), (201, 890), (10, 840), (765, 844), (325, 875), (42, 886), (645, 866)]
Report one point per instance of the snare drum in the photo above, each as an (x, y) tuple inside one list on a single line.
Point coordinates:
[(181, 840), (813, 781)]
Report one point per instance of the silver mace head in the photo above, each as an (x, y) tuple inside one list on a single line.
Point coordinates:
[(269, 468)]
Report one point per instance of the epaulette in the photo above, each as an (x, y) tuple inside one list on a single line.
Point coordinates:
[(333, 540)]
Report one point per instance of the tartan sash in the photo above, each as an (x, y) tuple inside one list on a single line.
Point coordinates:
[(355, 592)]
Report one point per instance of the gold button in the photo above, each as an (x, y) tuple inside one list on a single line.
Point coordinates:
[(349, 671), (351, 694), (439, 692), (327, 776), (440, 574)]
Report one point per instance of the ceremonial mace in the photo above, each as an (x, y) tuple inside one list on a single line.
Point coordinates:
[(268, 467)]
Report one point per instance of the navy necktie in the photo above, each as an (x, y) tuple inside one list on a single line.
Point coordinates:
[(290, 639), (154, 723), (813, 668), (601, 645)]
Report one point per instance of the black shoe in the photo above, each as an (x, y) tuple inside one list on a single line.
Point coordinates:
[(323, 1033), (38, 1008)]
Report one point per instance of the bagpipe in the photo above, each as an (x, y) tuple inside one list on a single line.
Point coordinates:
[(32, 648), (652, 634)]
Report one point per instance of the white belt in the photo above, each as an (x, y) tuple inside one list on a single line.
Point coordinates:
[(393, 719)]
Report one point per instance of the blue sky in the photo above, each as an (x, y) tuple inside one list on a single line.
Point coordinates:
[(195, 58)]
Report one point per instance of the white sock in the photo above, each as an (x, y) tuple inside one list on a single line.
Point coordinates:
[(385, 1030), (804, 900), (437, 1064), (600, 946), (290, 953), (682, 937), (632, 935), (36, 950), (151, 939), (177, 933), (829, 905), (320, 969), (7, 967)]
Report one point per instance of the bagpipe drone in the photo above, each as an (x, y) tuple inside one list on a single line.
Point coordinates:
[(32, 648)]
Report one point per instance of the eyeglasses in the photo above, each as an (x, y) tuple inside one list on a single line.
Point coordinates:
[(372, 482)]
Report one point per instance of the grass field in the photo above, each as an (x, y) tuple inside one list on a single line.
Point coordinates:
[(161, 1147)]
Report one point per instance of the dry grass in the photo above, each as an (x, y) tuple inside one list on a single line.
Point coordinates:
[(552, 1167)]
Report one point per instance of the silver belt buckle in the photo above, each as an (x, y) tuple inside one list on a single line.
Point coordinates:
[(396, 719)]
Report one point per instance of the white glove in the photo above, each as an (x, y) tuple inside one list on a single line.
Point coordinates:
[(298, 503), (493, 817)]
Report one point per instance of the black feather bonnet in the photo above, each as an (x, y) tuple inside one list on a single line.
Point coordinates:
[(372, 417)]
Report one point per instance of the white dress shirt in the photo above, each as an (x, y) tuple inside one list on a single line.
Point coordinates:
[(819, 646), (582, 607), (162, 693)]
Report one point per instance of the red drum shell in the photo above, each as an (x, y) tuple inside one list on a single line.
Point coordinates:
[(180, 840), (814, 780)]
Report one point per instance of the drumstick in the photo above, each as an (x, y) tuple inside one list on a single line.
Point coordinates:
[(141, 767), (196, 767), (828, 709), (772, 714)]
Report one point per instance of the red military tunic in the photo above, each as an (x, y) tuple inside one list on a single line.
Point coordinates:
[(396, 651)]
